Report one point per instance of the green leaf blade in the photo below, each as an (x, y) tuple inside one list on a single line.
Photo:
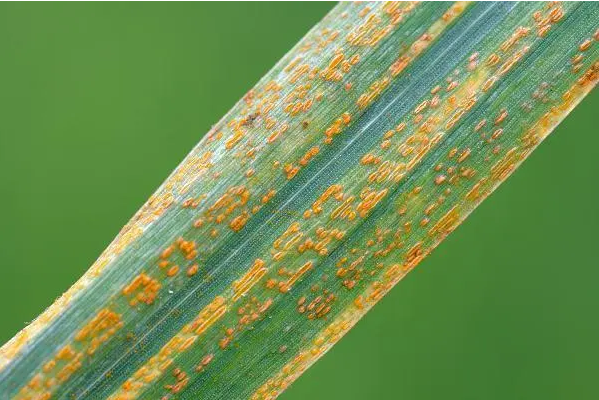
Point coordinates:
[(347, 164)]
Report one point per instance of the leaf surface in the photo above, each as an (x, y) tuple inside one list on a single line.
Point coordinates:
[(356, 155)]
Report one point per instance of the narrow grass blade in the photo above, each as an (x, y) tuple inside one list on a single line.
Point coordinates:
[(354, 157)]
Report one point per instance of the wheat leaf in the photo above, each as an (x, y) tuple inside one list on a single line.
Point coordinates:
[(356, 155)]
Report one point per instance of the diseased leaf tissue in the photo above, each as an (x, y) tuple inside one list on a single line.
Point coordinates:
[(368, 143)]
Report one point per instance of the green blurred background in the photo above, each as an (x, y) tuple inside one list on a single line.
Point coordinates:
[(99, 102)]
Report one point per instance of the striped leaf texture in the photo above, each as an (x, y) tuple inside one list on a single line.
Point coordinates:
[(331, 179)]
